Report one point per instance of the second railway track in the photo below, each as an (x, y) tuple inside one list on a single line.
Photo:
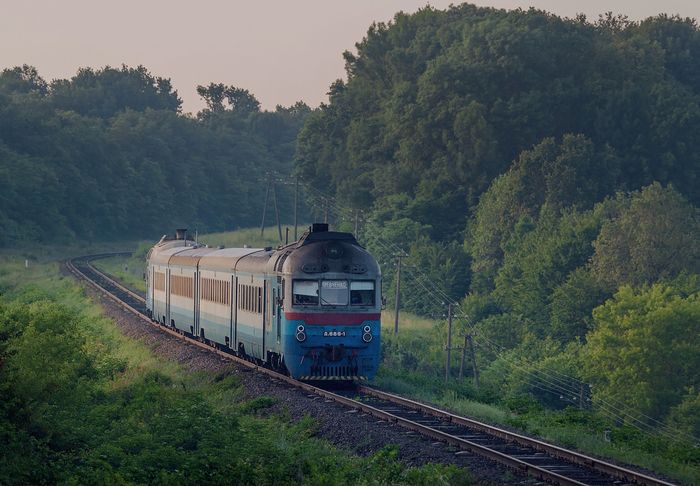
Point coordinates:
[(546, 462)]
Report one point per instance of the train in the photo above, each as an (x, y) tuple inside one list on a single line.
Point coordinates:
[(310, 309)]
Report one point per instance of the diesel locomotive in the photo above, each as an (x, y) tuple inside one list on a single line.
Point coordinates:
[(310, 308)]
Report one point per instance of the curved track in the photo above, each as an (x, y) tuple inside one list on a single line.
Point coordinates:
[(541, 460)]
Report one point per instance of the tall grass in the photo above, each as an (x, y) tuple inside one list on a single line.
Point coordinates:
[(106, 410), (128, 270)]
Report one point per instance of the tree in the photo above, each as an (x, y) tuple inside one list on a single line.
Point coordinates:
[(642, 351), (213, 95), (654, 238), (439, 103), (572, 304), (108, 91), (241, 100), (540, 260), (23, 80), (107, 155)]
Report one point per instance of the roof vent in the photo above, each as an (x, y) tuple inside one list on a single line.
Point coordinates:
[(181, 234), (319, 227)]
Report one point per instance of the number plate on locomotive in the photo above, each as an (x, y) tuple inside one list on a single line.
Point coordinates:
[(333, 333)]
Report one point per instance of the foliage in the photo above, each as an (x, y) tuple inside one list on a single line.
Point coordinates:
[(572, 304), (539, 260), (438, 103), (686, 415), (108, 155), (104, 92), (83, 404), (643, 349), (655, 237), (563, 154), (517, 389)]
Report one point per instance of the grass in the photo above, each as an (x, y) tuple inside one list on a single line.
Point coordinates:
[(407, 321), (128, 270), (250, 237), (107, 410)]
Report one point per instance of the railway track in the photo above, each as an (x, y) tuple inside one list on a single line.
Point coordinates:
[(543, 461)]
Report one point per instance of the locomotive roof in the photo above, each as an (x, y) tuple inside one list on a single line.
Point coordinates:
[(163, 256), (313, 246), (190, 257), (335, 253), (228, 258)]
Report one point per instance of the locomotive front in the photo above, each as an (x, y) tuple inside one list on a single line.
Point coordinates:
[(332, 308)]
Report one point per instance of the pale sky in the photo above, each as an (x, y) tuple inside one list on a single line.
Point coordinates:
[(282, 51)]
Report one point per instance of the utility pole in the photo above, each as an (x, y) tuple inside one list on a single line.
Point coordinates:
[(398, 293), (449, 342), (357, 214), (296, 200), (325, 210), (277, 212), (473, 354), (267, 194), (461, 363)]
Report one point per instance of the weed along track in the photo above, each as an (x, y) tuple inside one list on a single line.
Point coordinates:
[(519, 453)]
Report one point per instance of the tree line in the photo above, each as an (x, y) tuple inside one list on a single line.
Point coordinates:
[(108, 154), (542, 171)]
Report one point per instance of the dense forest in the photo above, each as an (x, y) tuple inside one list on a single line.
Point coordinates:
[(108, 154), (543, 173)]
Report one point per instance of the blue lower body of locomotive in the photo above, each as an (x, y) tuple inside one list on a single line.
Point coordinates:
[(331, 352)]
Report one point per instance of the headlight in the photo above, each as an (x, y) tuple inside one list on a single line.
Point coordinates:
[(301, 336), (300, 328), (367, 329), (367, 337)]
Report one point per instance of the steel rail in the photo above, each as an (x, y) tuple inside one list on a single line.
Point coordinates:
[(594, 464), (111, 280), (512, 437)]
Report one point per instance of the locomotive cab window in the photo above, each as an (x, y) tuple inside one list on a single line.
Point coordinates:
[(362, 293), (334, 292), (305, 292)]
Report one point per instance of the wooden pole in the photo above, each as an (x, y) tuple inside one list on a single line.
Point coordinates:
[(473, 355), (296, 200), (449, 342), (277, 212), (267, 194), (398, 294), (461, 363)]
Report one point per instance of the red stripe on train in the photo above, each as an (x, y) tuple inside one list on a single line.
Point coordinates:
[(330, 319)]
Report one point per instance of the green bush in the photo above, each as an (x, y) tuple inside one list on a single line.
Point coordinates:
[(82, 404)]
